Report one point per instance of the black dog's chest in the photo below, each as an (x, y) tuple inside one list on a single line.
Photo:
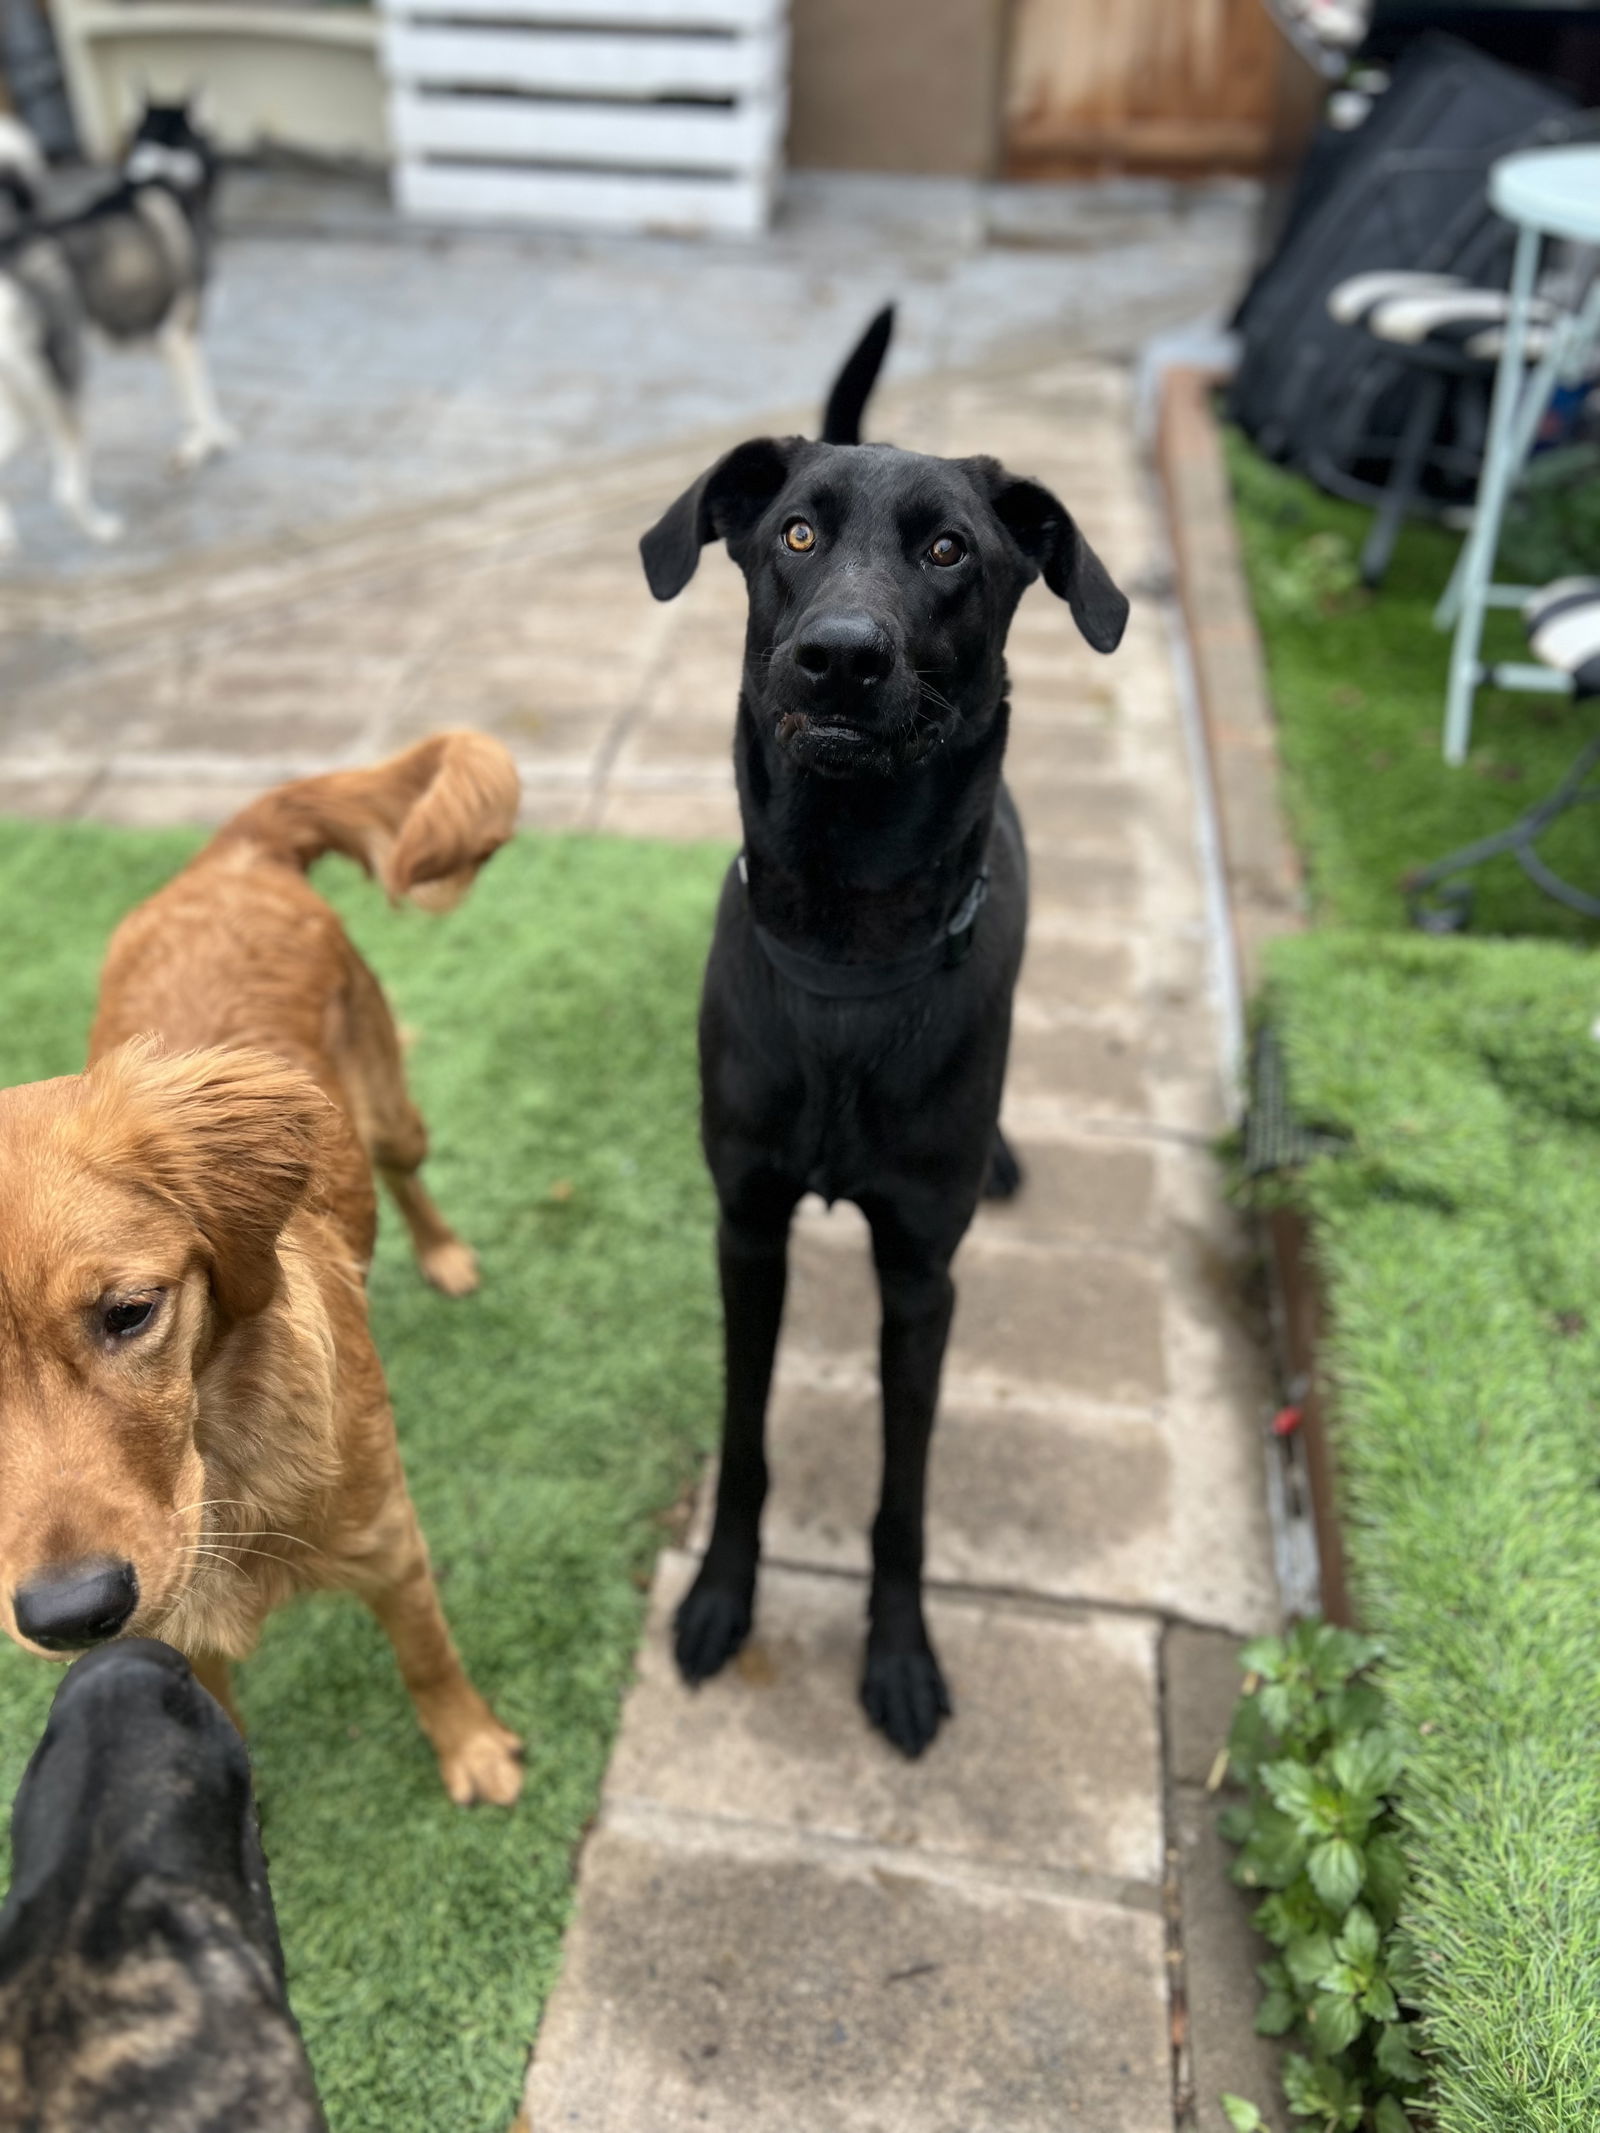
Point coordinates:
[(852, 1097), (890, 1099), (855, 1100)]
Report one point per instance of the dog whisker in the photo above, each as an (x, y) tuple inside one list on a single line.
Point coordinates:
[(228, 1538), (229, 1557)]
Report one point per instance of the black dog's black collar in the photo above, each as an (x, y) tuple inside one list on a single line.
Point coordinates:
[(866, 981)]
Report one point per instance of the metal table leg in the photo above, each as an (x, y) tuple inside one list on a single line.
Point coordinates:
[(1493, 487), (1570, 348)]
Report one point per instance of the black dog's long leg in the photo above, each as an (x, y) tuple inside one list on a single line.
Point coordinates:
[(902, 1688), (714, 1618)]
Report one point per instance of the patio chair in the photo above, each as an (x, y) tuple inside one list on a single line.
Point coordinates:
[(1563, 625), (1450, 333)]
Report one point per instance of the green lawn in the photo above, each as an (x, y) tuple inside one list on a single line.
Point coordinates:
[(1358, 685), (1457, 1237), (548, 1424)]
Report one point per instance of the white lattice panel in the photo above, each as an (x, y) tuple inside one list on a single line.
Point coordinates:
[(618, 114)]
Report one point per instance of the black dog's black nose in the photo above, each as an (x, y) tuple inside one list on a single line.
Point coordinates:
[(844, 648), (73, 1605)]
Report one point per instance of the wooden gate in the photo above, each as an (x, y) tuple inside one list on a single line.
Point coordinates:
[(1184, 86)]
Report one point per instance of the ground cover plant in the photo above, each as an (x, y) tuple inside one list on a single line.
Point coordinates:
[(1455, 1232), (1313, 1747), (547, 1424), (1358, 683)]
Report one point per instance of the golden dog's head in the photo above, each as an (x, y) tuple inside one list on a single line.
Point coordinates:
[(140, 1210)]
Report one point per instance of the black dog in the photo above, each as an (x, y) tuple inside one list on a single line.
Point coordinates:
[(141, 1980), (857, 1004)]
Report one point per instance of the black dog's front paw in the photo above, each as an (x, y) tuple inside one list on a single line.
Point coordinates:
[(1004, 1180), (710, 1626), (905, 1697)]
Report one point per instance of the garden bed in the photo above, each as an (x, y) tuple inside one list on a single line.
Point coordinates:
[(548, 1425), (1451, 1282), (1455, 1232)]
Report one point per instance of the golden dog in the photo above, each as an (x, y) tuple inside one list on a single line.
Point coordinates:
[(194, 1424)]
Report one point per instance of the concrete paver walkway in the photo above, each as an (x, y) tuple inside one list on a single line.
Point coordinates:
[(780, 1926)]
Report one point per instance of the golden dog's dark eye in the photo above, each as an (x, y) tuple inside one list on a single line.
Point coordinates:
[(800, 536), (947, 549), (120, 1320)]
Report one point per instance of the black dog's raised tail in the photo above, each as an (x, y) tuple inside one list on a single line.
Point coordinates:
[(852, 388)]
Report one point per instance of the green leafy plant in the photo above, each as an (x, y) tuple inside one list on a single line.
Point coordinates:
[(1317, 1833)]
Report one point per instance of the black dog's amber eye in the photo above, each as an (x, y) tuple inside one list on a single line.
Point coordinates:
[(120, 1320), (947, 549), (800, 536)]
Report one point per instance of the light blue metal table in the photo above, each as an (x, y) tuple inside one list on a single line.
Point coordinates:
[(1546, 192)]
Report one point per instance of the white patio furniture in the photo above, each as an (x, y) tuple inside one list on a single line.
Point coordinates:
[(662, 115), (1547, 193)]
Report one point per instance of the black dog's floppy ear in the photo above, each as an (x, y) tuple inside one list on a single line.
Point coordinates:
[(1046, 532), (726, 499)]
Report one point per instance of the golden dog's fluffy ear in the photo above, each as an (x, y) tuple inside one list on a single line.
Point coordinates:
[(231, 1137)]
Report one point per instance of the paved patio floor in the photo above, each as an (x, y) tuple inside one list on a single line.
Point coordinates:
[(370, 366), (780, 1926)]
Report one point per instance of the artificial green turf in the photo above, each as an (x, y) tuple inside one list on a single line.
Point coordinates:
[(1457, 1236), (547, 1425), (1358, 684)]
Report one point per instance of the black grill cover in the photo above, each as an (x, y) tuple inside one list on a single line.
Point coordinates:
[(1404, 189)]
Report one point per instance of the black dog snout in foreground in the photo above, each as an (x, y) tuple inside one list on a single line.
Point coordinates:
[(844, 652), (857, 1006), (69, 1607), (141, 1977)]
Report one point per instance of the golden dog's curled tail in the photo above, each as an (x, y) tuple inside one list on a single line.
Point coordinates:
[(422, 823)]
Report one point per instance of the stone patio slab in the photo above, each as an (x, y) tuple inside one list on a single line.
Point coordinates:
[(1074, 972), (1079, 1189), (1050, 1318), (1051, 1503), (153, 803), (662, 811), (1076, 1505), (663, 739), (1204, 1680), (1063, 877), (1221, 1950), (1091, 1072), (705, 1991), (779, 1738), (52, 797), (1058, 1320)]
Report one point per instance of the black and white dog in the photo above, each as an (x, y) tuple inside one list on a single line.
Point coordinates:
[(857, 1005), (132, 265), (141, 1980)]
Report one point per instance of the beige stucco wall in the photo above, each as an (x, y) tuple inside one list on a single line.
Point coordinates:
[(907, 85)]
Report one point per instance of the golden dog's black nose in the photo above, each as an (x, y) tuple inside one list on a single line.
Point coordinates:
[(70, 1606)]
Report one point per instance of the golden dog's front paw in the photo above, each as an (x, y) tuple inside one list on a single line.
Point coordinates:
[(486, 1766), (451, 1268)]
